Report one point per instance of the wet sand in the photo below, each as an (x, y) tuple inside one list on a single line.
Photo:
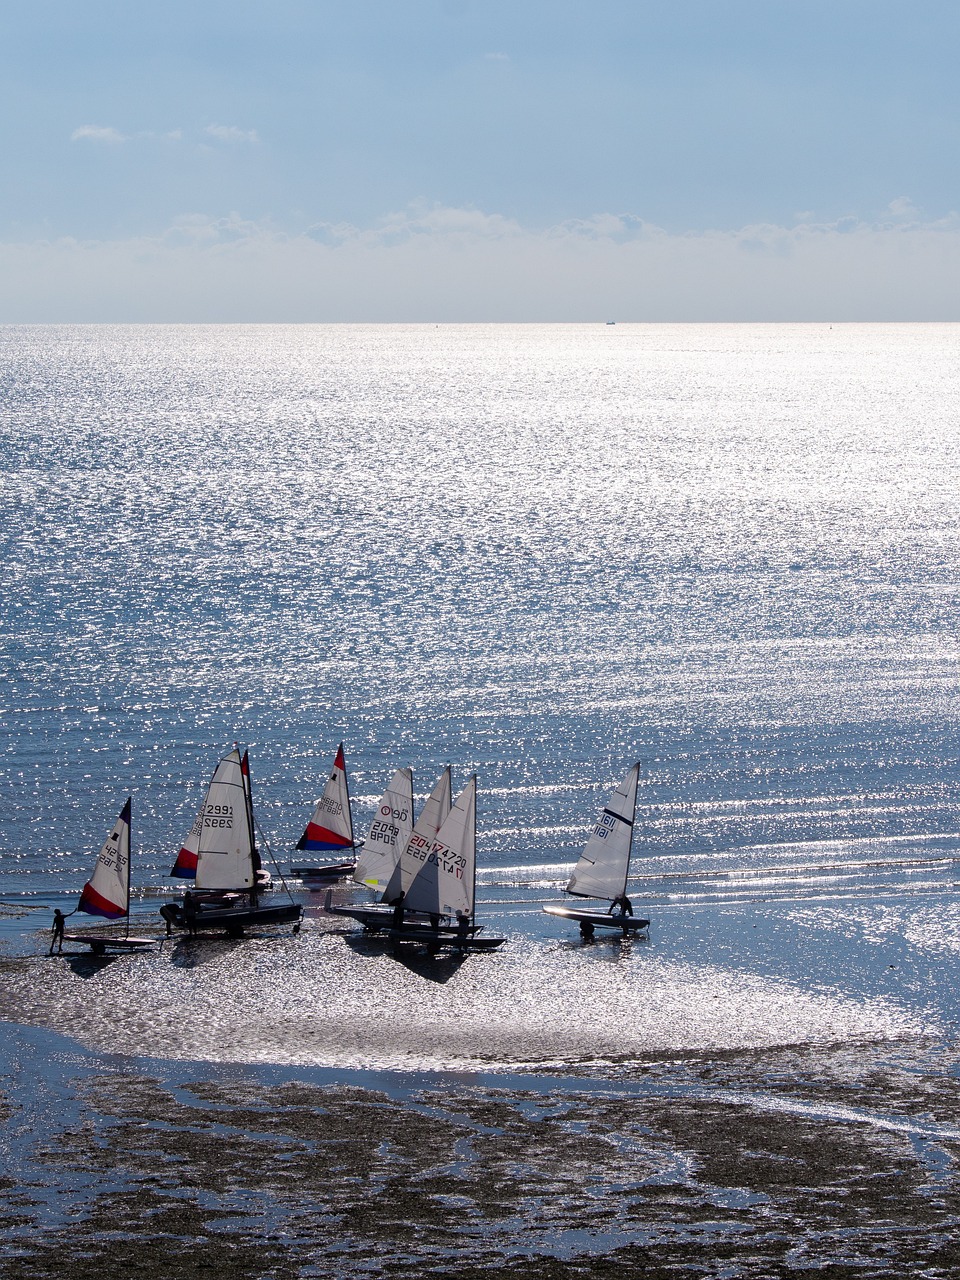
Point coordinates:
[(694, 1166), (334, 997), (321, 1106)]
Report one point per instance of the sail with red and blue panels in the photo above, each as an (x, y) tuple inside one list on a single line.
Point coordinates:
[(107, 892), (330, 829), (212, 815), (185, 867)]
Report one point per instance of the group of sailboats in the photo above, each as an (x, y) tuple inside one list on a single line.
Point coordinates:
[(423, 868)]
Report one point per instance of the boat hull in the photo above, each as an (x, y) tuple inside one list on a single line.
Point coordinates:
[(335, 871), (101, 945), (381, 919), (434, 939), (590, 920), (370, 917), (233, 920), (417, 929)]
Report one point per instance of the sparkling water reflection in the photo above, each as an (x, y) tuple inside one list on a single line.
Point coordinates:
[(538, 552)]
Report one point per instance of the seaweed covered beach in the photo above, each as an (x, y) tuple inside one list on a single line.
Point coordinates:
[(321, 1106), (704, 1166)]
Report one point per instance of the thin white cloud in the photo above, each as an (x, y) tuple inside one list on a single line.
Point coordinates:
[(97, 133), (230, 133), (442, 263), (903, 207)]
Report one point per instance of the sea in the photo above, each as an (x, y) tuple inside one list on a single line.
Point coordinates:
[(537, 553)]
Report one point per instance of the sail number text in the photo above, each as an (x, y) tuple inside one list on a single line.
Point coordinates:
[(218, 815), (438, 855), (383, 830)]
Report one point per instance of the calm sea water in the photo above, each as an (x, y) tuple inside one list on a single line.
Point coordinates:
[(537, 552)]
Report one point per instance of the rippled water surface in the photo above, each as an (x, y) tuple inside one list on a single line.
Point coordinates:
[(536, 552)]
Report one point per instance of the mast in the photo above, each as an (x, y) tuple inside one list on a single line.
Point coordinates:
[(473, 891), (346, 789), (248, 797), (129, 859)]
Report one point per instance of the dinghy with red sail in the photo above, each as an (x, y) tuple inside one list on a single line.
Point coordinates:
[(330, 829)]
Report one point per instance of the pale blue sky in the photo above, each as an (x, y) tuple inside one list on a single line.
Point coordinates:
[(122, 120)]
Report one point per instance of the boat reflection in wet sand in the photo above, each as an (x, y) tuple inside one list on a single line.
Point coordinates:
[(220, 856), (605, 865)]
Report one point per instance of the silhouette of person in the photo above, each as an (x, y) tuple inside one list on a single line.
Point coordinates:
[(398, 910), (59, 927)]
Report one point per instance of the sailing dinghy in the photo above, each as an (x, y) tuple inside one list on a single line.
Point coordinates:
[(107, 892), (222, 850), (390, 829), (605, 865), (330, 829)]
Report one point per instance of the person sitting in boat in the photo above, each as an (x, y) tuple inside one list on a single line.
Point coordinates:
[(621, 906), (59, 927)]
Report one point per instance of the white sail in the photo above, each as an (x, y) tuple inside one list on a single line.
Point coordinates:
[(225, 844), (389, 832), (107, 892), (605, 862), (330, 829), (432, 816), (444, 884)]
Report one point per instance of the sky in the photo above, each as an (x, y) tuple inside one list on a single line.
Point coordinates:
[(458, 160)]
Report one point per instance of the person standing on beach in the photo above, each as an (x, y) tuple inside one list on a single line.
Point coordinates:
[(58, 930), (397, 905)]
